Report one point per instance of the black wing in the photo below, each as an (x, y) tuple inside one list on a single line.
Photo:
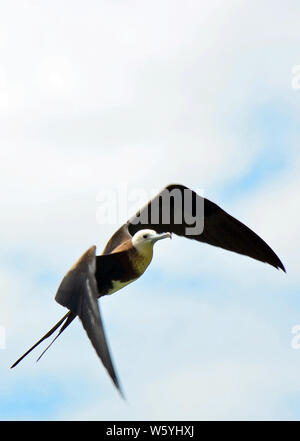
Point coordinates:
[(217, 227), (78, 292)]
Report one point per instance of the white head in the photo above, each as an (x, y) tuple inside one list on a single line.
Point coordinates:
[(145, 239)]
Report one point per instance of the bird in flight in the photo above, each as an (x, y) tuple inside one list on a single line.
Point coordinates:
[(176, 209)]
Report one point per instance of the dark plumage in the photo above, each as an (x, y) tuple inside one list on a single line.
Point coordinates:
[(129, 252)]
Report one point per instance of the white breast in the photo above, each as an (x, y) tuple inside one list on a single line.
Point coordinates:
[(117, 285)]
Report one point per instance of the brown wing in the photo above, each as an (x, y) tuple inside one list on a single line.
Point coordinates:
[(217, 227), (121, 236), (79, 293)]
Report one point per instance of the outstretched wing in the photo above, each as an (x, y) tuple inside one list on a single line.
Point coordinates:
[(179, 210), (78, 292)]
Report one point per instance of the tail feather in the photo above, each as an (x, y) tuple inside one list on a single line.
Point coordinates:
[(68, 318), (65, 325)]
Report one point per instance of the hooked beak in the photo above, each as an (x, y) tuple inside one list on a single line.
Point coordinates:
[(161, 236)]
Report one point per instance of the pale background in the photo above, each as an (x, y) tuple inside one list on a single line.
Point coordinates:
[(94, 94)]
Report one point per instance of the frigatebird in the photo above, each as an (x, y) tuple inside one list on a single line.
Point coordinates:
[(176, 209)]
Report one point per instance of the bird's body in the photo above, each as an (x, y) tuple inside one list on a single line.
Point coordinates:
[(125, 264), (129, 252), (128, 262)]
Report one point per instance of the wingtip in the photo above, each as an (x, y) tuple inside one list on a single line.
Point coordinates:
[(117, 384), (282, 268), (279, 265), (122, 394)]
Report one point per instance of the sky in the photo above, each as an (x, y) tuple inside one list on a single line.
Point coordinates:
[(104, 96)]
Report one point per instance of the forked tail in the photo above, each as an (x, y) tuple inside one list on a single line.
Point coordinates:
[(68, 318)]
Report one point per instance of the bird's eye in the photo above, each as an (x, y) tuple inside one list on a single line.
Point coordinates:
[(145, 236)]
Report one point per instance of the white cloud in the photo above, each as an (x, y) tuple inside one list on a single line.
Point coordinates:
[(150, 94), (221, 363)]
